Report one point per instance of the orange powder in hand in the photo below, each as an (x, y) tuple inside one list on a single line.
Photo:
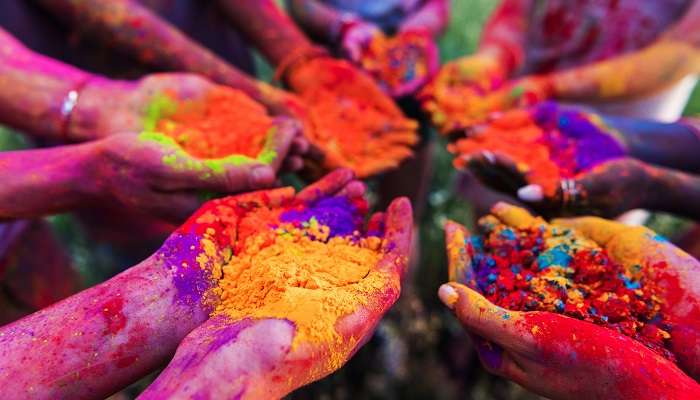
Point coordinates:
[(225, 122), (518, 137), (286, 274), (397, 60)]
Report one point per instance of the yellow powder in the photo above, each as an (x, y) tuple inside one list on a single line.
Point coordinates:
[(309, 282)]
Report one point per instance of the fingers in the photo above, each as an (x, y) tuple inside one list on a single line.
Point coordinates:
[(497, 170), (173, 207), (600, 230), (280, 143), (375, 225), (353, 190), (398, 230), (328, 185), (515, 217), (481, 317), (458, 256)]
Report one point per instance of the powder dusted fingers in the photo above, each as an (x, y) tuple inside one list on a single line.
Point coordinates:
[(545, 267), (546, 144)]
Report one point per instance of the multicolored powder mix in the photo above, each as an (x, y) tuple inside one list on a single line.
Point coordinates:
[(396, 61), (544, 267), (367, 135), (225, 122), (547, 146), (309, 264)]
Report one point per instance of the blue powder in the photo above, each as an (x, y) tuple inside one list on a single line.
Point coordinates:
[(555, 256)]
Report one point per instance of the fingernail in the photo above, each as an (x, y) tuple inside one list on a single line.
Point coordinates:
[(448, 295), (531, 193), (489, 156), (262, 176)]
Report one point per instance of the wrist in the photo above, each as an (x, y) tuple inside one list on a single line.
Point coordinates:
[(87, 166)]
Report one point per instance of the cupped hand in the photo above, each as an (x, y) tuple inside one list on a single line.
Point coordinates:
[(402, 64), (608, 189), (354, 123), (269, 356), (673, 270), (474, 75), (579, 359), (156, 176)]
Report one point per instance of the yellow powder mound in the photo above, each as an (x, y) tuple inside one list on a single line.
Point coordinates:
[(311, 283)]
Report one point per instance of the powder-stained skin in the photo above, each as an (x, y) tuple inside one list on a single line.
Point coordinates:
[(546, 146)]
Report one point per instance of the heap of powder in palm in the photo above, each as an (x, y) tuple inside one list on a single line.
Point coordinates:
[(308, 264), (354, 131), (548, 268), (394, 61), (224, 122), (535, 142)]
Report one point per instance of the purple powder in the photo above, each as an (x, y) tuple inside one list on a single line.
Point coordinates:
[(338, 213), (179, 254)]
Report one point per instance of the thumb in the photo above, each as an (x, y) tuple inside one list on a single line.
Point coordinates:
[(481, 317)]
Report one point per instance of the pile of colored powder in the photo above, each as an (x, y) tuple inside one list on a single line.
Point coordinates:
[(302, 270), (224, 122), (395, 61), (547, 148), (549, 268), (353, 130)]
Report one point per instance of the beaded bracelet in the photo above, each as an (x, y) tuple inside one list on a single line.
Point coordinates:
[(68, 105)]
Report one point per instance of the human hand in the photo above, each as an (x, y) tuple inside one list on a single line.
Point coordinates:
[(473, 75), (269, 353), (355, 124), (524, 346), (153, 174), (403, 63)]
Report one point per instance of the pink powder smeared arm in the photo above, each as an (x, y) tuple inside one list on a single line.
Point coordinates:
[(139, 32), (319, 19), (673, 56), (35, 89), (264, 24), (97, 341), (44, 181), (433, 16), (504, 34)]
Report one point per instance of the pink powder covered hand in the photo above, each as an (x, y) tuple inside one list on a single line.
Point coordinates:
[(356, 38), (269, 356), (578, 358)]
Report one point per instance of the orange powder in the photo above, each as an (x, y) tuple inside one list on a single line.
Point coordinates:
[(284, 273), (518, 137), (394, 61), (224, 123), (354, 134)]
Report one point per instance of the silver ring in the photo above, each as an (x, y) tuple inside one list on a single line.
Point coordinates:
[(569, 193)]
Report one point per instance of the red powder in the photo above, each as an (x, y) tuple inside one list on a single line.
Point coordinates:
[(224, 123), (397, 60), (517, 136), (545, 268), (112, 312)]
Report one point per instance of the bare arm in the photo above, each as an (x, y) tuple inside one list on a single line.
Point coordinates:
[(319, 19), (266, 26), (147, 37)]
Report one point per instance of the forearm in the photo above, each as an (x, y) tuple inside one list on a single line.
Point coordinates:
[(35, 95), (629, 76), (265, 25), (504, 34), (97, 341), (674, 192), (148, 38), (433, 16), (45, 181), (673, 145), (317, 18)]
